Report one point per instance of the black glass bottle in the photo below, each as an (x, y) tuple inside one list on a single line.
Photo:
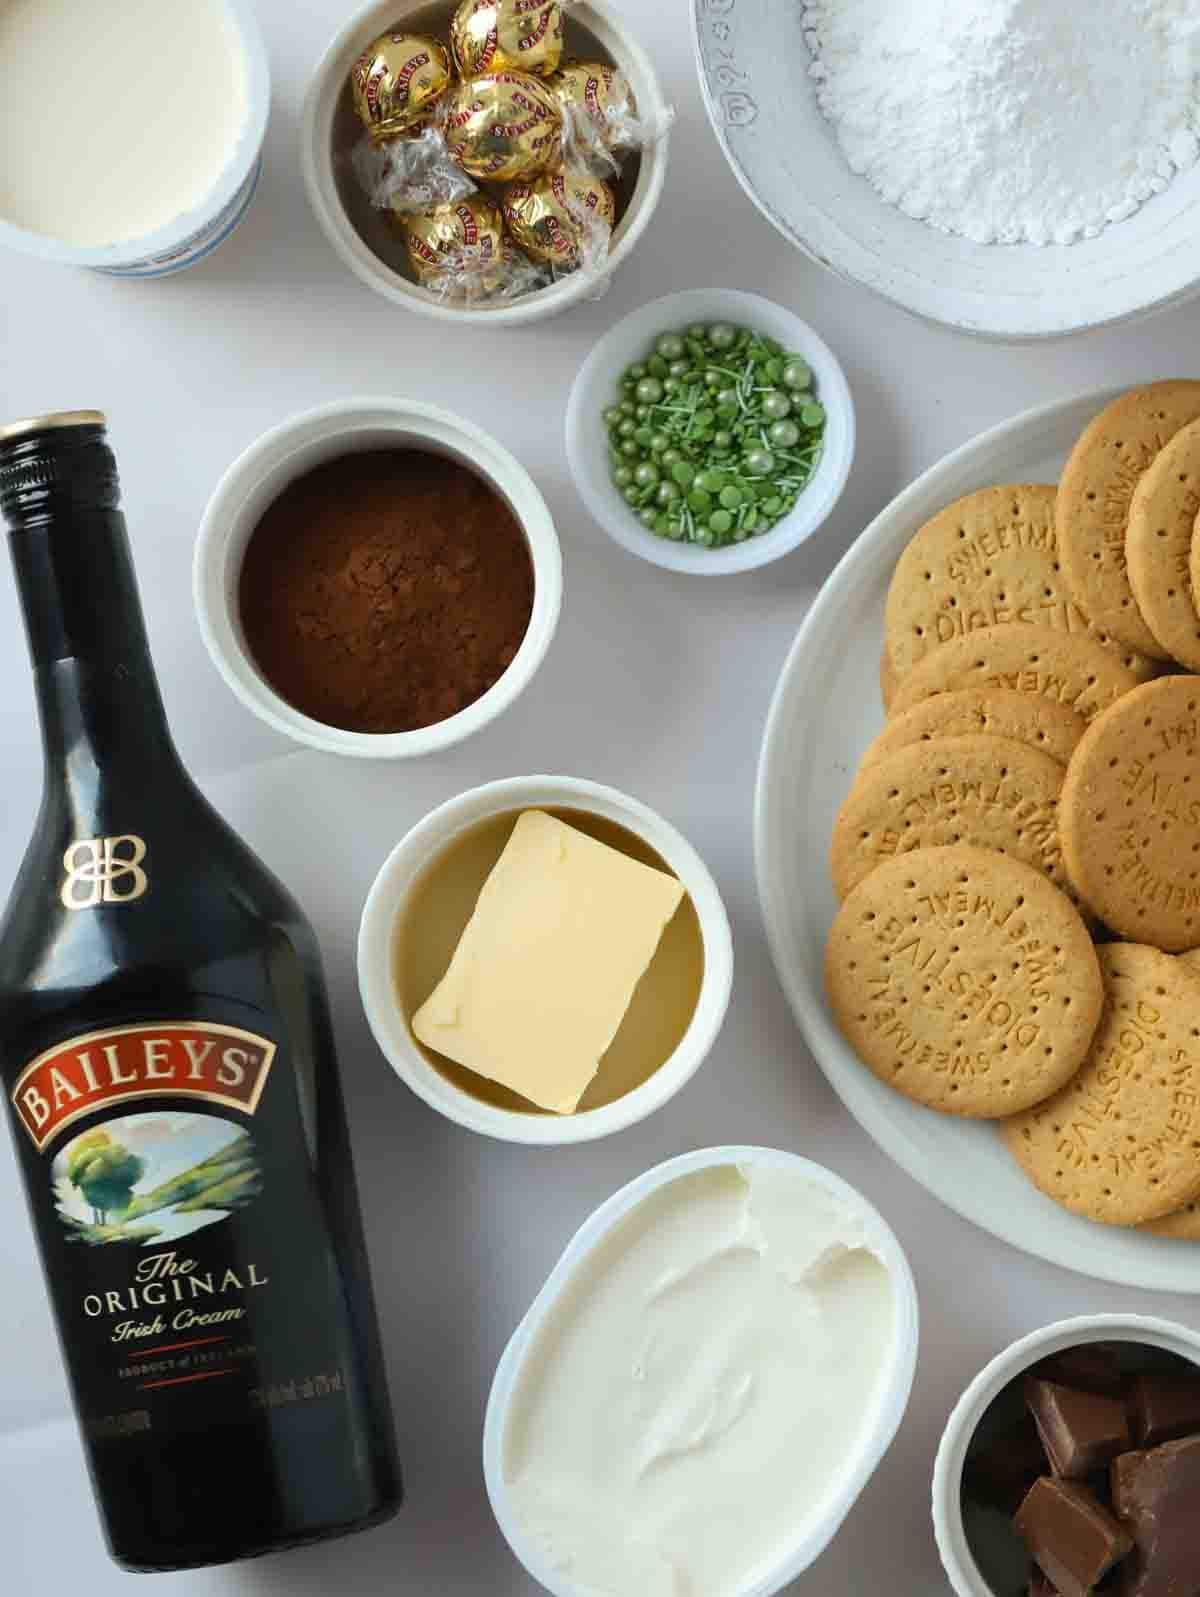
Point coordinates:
[(167, 1059)]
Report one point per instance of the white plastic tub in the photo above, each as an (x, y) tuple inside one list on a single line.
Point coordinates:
[(194, 234), (881, 1427)]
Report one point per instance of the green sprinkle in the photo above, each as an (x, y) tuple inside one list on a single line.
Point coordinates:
[(714, 434)]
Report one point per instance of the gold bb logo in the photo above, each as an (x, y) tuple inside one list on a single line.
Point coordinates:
[(104, 870)]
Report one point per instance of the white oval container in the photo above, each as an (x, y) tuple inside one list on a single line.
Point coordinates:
[(384, 912), (195, 233), (258, 476), (956, 1555), (595, 389), (880, 1432), (614, 38)]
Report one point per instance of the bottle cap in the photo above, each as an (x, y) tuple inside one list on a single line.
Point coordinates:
[(10, 431)]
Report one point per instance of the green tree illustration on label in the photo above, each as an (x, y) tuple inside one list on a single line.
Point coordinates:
[(153, 1177), (104, 1172)]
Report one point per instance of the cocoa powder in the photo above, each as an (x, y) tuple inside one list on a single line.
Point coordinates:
[(386, 591)]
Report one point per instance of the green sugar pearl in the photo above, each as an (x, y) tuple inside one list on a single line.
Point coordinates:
[(713, 434)]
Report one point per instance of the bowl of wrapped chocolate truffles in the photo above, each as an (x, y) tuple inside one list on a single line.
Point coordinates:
[(495, 158), (1071, 1464)]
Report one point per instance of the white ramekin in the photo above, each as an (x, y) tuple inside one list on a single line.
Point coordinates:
[(613, 38), (884, 1423), (959, 1562), (258, 476), (595, 389), (194, 234), (384, 912)]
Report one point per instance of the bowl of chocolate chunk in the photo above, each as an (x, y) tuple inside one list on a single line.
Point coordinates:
[(1072, 1465), (377, 578), (545, 960)]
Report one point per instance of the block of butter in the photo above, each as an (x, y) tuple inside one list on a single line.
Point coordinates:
[(562, 933)]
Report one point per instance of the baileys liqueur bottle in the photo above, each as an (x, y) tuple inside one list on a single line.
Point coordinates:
[(166, 1056)]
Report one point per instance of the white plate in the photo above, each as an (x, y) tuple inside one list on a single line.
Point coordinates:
[(753, 63), (825, 711)]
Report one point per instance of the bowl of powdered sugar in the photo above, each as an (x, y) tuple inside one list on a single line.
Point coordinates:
[(1013, 168)]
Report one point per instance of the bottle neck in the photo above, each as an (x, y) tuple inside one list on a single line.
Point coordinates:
[(98, 698)]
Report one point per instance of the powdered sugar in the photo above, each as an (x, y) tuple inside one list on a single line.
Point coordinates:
[(1011, 121)]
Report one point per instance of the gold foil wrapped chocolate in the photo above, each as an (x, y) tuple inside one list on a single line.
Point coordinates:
[(398, 81), (458, 245), (561, 218), (507, 35), (599, 93), (503, 126)]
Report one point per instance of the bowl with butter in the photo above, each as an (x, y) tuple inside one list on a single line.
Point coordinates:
[(545, 960), (652, 1424)]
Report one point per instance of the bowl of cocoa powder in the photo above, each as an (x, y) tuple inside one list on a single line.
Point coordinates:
[(377, 578)]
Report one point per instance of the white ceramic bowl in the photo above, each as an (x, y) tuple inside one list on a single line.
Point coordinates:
[(959, 1562), (593, 27), (258, 476), (753, 63), (629, 341), (193, 234), (884, 1423), (384, 912)]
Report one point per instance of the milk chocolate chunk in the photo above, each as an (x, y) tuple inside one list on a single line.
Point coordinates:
[(1092, 1367), (1164, 1408), (1001, 1473), (1081, 1431), (1157, 1495), (1071, 1536)]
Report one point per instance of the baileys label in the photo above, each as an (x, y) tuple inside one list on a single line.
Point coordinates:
[(195, 1059)]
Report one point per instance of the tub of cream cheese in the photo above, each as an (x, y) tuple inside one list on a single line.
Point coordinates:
[(705, 1384), (131, 131)]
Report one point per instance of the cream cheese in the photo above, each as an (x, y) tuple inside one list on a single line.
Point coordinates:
[(701, 1389), (116, 116)]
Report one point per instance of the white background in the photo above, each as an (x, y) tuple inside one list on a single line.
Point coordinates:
[(656, 684)]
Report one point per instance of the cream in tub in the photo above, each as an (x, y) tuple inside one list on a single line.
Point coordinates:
[(130, 130), (705, 1384)]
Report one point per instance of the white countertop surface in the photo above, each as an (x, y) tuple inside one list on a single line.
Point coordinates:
[(673, 677)]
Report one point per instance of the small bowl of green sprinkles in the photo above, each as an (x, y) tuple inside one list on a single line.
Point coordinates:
[(711, 431)]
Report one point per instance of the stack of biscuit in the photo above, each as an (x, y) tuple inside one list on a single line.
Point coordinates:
[(1018, 860)]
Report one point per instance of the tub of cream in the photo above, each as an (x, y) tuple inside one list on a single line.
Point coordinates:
[(131, 131), (705, 1384)]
